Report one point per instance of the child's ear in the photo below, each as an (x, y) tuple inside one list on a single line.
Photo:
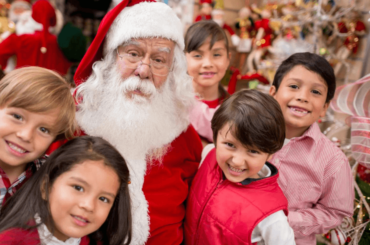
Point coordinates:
[(323, 112), (43, 189), (229, 55), (272, 91)]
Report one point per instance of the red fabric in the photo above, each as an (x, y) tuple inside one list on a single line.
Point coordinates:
[(203, 17), (95, 51), (221, 212), (27, 49), (205, 1), (18, 236), (360, 26), (166, 187), (342, 28), (257, 76), (213, 103), (7, 189), (228, 29), (232, 83), (44, 13), (264, 23)]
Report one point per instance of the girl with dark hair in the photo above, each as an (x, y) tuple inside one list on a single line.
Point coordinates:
[(79, 196)]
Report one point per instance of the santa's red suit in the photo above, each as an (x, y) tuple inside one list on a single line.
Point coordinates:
[(158, 189), (37, 49)]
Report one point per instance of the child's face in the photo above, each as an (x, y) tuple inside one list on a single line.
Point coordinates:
[(301, 95), (236, 161), (24, 136), (208, 67), (81, 199)]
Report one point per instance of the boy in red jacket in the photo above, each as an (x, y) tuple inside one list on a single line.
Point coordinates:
[(235, 197)]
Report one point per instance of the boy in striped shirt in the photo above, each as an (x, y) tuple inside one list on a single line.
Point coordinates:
[(315, 175)]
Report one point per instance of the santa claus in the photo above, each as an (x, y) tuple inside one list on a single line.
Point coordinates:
[(133, 90), (33, 44)]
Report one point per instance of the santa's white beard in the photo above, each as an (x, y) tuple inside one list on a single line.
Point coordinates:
[(137, 126)]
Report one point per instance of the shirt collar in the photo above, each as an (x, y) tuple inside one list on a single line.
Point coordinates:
[(312, 132), (47, 238), (267, 170)]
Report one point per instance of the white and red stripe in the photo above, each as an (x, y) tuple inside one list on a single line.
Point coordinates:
[(315, 177)]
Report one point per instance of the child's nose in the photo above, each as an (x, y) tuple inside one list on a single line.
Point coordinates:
[(303, 95), (238, 160), (207, 62), (25, 133), (87, 203)]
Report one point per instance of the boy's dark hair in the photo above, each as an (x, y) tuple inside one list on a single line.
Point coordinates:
[(21, 208), (311, 62), (198, 33), (255, 120)]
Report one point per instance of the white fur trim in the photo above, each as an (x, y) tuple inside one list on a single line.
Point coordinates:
[(144, 20)]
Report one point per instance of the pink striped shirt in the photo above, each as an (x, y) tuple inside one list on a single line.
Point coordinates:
[(316, 178)]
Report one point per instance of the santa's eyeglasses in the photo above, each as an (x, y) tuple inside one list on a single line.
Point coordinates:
[(158, 64)]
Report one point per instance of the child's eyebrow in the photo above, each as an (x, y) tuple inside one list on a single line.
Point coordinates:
[(80, 180), (218, 49)]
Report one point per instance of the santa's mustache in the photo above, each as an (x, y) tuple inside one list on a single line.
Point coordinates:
[(135, 84)]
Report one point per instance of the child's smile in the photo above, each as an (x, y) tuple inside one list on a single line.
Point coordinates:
[(208, 66), (237, 161), (302, 98), (24, 136), (81, 199)]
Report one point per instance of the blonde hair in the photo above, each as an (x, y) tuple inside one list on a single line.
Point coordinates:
[(39, 90)]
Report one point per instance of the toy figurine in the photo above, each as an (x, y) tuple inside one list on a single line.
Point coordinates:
[(205, 10)]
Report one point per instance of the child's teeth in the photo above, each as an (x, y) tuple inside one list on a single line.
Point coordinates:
[(16, 148), (236, 170), (300, 111), (80, 219)]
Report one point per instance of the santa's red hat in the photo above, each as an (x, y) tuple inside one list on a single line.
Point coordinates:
[(130, 19), (44, 13)]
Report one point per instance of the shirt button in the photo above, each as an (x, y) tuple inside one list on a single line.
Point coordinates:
[(277, 161)]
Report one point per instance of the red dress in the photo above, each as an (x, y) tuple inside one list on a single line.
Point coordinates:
[(17, 236), (27, 49)]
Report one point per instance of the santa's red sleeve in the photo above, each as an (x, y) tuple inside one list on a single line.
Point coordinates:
[(8, 48)]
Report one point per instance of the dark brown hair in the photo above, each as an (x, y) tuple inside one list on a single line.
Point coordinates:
[(197, 35), (28, 200), (311, 62), (255, 120)]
